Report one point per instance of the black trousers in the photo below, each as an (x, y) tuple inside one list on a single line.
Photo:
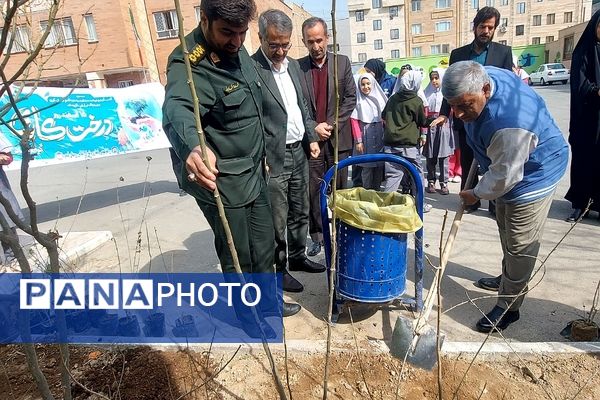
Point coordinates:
[(288, 193), (317, 167)]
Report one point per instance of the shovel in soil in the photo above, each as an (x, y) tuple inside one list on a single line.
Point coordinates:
[(415, 339)]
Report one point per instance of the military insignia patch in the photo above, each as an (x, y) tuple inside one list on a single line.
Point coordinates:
[(215, 58), (197, 54), (231, 88)]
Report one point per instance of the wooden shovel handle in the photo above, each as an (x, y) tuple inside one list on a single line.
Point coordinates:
[(428, 303)]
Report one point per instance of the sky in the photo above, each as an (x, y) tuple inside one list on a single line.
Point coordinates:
[(322, 8)]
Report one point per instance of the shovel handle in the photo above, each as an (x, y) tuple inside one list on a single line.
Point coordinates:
[(428, 303)]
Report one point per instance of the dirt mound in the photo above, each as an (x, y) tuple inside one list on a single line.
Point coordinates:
[(142, 373)]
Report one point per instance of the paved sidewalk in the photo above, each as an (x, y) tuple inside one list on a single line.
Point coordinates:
[(155, 229)]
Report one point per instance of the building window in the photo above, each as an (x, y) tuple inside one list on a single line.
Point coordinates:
[(504, 21), (416, 29), (520, 8), (378, 44), (416, 52), (568, 47), (360, 15), (475, 4), (502, 42), (537, 20), (442, 3), (361, 37), (123, 84), (393, 11), (440, 48), (443, 26), (536, 40), (61, 33), (376, 4), (520, 30), (362, 57), (415, 5), (394, 34), (489, 3), (503, 2), (550, 19), (395, 54), (330, 48), (549, 39), (376, 24), (22, 39), (166, 24), (197, 11), (91, 28), (569, 16)]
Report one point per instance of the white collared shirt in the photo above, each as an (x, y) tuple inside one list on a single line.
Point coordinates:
[(295, 123)]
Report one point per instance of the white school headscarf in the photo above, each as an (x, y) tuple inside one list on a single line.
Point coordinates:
[(434, 95), (411, 80), (369, 107)]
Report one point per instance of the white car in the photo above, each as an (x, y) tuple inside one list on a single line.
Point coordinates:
[(549, 73)]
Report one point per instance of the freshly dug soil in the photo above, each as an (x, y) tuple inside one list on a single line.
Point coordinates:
[(140, 373)]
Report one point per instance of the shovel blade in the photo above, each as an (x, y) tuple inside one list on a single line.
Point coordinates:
[(424, 354)]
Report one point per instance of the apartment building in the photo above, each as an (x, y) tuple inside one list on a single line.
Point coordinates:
[(377, 29), (526, 22), (115, 43), (415, 28)]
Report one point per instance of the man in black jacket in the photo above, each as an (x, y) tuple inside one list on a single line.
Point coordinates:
[(290, 140), (318, 88), (485, 52)]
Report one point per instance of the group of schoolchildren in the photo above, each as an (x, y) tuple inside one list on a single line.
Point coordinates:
[(394, 117)]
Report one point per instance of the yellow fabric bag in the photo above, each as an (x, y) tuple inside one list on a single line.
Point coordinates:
[(377, 211)]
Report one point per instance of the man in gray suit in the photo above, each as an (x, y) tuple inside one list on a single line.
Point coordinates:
[(319, 90), (289, 140)]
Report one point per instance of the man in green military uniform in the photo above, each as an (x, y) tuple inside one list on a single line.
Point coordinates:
[(230, 103)]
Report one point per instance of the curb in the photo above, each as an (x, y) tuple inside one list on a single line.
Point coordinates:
[(489, 350)]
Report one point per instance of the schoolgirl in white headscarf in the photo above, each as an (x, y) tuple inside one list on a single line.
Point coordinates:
[(439, 145), (367, 126)]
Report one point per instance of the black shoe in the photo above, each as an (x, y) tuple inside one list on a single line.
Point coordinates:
[(486, 324), (314, 249), (290, 309), (472, 208), (492, 284), (291, 284), (306, 265), (575, 215)]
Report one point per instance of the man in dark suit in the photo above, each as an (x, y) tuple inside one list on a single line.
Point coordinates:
[(319, 89), (485, 52), (290, 140)]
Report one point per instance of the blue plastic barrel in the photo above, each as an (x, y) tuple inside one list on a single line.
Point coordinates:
[(371, 265)]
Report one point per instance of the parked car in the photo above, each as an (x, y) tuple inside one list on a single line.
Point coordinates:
[(550, 73)]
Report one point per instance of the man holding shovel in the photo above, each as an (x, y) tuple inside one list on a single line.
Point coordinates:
[(523, 155)]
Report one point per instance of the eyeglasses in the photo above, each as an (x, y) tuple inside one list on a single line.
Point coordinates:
[(284, 47)]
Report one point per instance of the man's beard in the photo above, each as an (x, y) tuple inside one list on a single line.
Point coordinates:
[(483, 44)]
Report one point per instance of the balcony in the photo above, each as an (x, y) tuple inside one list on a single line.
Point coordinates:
[(355, 5), (422, 39), (392, 3)]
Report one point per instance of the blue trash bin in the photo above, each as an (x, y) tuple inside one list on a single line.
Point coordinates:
[(371, 265)]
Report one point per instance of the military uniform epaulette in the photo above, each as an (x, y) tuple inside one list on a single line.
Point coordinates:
[(197, 54)]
